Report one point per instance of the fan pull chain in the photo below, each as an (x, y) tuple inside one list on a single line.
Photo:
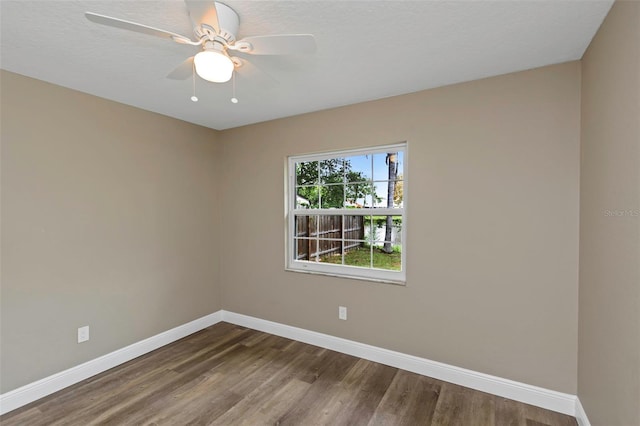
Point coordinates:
[(233, 85), (194, 98)]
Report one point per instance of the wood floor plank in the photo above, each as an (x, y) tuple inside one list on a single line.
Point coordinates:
[(231, 375), (24, 417), (459, 405), (105, 384), (410, 400), (482, 409), (178, 402), (109, 408), (277, 369), (232, 371), (536, 416), (256, 409), (310, 409), (360, 393), (509, 413), (236, 368), (209, 354)]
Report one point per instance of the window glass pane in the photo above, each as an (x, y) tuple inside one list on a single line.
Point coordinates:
[(369, 229), (330, 251), (380, 197), (305, 226), (332, 196), (307, 173), (385, 166), (303, 247), (358, 195), (332, 171), (398, 194), (312, 250), (358, 168), (307, 197), (387, 228), (400, 165), (358, 253), (389, 194), (387, 170), (329, 227), (354, 227), (387, 255)]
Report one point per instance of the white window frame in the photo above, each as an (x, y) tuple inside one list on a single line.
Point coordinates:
[(306, 266)]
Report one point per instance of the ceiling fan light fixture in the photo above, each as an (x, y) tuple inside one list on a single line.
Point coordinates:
[(213, 66)]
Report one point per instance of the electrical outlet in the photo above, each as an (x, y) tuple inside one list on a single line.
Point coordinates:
[(342, 312), (83, 334)]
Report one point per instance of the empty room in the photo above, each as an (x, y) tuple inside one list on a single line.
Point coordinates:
[(320, 212)]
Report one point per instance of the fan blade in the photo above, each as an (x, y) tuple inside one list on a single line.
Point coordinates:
[(182, 71), (253, 76), (203, 12), (281, 44), (133, 26)]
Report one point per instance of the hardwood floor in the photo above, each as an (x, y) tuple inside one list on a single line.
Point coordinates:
[(230, 375)]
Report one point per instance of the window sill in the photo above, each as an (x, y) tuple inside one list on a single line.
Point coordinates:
[(401, 283)]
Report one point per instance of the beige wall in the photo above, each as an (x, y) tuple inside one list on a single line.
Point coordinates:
[(493, 226), (609, 335), (109, 219)]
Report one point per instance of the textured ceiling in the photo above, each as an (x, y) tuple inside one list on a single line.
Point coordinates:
[(366, 50)]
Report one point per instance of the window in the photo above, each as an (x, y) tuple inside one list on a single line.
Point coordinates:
[(345, 213)]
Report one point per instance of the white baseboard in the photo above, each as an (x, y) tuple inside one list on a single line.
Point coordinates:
[(581, 415), (545, 398), (541, 397), (33, 391)]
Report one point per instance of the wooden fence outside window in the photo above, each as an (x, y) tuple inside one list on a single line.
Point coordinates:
[(318, 236)]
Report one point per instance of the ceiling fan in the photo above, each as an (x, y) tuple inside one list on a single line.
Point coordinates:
[(215, 26)]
